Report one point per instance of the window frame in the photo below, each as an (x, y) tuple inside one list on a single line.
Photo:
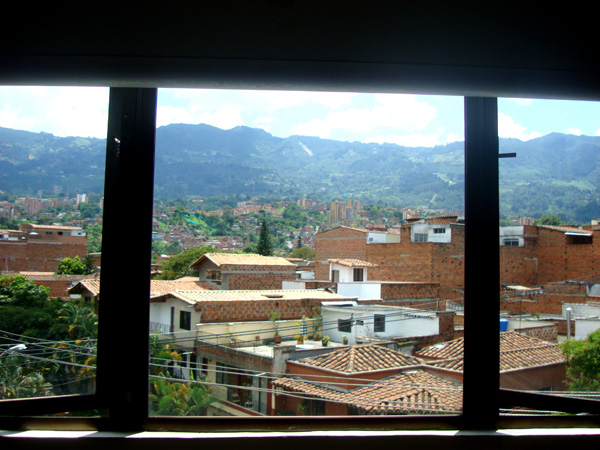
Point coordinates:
[(132, 118)]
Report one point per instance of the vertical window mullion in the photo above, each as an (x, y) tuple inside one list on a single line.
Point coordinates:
[(123, 343), (482, 264)]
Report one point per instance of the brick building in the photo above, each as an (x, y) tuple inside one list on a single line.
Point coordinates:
[(244, 271), (40, 248), (429, 251), (526, 362), (432, 250)]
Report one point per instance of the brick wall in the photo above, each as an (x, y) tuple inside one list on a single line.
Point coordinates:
[(255, 310), (338, 243), (548, 333), (38, 256)]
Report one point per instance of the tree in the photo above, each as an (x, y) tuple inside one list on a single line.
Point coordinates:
[(75, 266), (264, 246), (26, 309), (583, 363), (303, 253), (549, 219), (19, 380), (179, 265)]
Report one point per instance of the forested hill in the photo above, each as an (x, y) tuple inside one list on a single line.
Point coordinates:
[(558, 174)]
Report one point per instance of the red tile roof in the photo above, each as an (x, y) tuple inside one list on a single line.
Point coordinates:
[(361, 358), (352, 262), (412, 392), (243, 259), (517, 351)]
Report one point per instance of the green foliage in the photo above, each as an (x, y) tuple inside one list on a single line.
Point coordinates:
[(81, 320), (305, 253), (75, 266), (583, 363), (549, 219), (168, 398), (179, 265), (264, 246), (15, 290), (19, 380)]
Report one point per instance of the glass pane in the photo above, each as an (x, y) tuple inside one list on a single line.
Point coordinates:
[(358, 198), (52, 155), (548, 245)]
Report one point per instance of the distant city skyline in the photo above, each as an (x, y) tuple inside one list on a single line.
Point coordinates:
[(409, 120)]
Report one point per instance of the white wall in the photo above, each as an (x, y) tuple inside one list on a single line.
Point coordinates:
[(363, 291), (398, 323), (583, 327)]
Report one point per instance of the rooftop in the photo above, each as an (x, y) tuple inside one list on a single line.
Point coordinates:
[(352, 262), (361, 358), (414, 391), (243, 259), (517, 351), (251, 295)]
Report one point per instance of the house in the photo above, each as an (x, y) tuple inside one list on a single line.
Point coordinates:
[(364, 321), (229, 271), (59, 285), (364, 379), (89, 289), (428, 250), (526, 363), (40, 248)]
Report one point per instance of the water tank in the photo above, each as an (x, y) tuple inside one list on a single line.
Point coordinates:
[(503, 324)]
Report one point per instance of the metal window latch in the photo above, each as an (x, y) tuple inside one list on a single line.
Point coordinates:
[(507, 155), (117, 149)]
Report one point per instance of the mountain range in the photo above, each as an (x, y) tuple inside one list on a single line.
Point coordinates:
[(553, 174)]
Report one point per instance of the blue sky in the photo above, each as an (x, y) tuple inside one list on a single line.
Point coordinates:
[(411, 120)]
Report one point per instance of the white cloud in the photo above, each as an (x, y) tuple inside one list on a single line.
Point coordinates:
[(390, 112), (597, 132), (508, 128), (63, 111), (575, 131)]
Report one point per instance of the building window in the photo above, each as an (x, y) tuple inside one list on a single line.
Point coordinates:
[(439, 231), (345, 325), (213, 274), (335, 276), (358, 274), (511, 242), (379, 323), (419, 237), (185, 320)]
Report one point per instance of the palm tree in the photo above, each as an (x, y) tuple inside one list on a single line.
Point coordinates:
[(17, 380), (169, 398)]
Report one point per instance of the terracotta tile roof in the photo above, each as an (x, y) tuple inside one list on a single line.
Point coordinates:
[(445, 350), (92, 285), (412, 392), (157, 287), (161, 287), (352, 262), (243, 259), (251, 296), (51, 276), (517, 351), (361, 358)]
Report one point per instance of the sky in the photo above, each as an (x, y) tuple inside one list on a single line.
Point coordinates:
[(409, 120)]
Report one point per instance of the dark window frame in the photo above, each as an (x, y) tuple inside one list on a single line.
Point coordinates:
[(379, 323), (132, 115), (185, 320), (358, 274), (344, 325)]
